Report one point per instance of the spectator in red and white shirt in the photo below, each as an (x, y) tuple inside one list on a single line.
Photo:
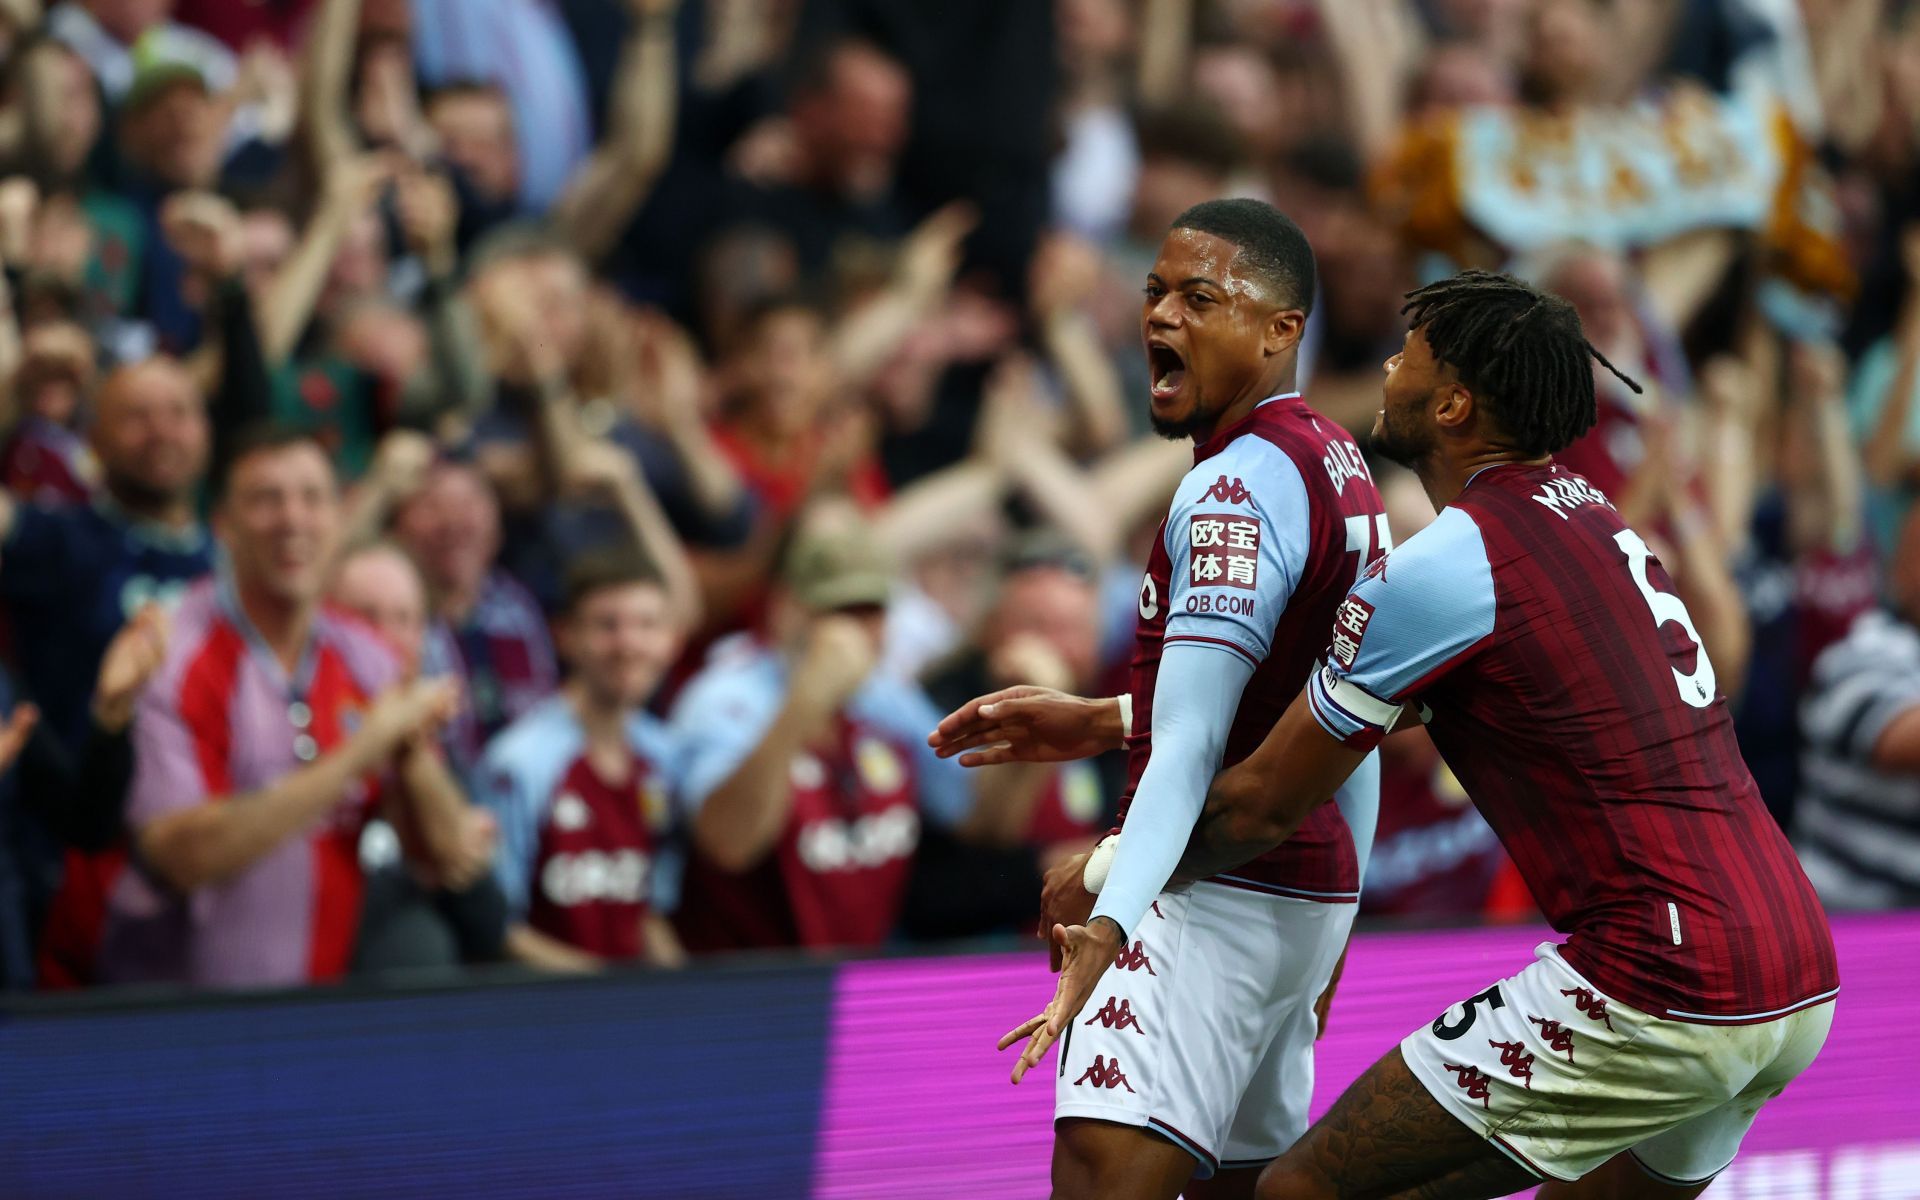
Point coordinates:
[(262, 748)]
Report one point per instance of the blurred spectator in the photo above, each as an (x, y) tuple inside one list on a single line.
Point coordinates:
[(1044, 629), (1855, 823), (260, 751), (523, 48), (120, 37), (483, 622), (807, 774), (72, 574), (829, 174), (409, 919), (45, 460), (582, 785)]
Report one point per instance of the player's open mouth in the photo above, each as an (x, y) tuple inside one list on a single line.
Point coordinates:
[(1168, 369)]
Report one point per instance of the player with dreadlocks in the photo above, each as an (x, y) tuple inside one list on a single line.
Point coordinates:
[(1566, 686)]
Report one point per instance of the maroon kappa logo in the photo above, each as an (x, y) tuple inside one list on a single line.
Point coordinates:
[(1228, 493), (1105, 1074), (1517, 1059), (1157, 912), (1117, 1016), (1132, 959), (1592, 1007), (1470, 1079), (1558, 1037)]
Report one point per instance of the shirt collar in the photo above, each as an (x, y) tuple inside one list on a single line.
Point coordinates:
[(152, 534), (1213, 445), (227, 595)]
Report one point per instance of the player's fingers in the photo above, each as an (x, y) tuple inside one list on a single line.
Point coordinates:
[(983, 734), (993, 756), (955, 722), (1035, 1051), (1024, 1029)]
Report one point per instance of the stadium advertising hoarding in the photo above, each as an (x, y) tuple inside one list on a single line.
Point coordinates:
[(866, 1079)]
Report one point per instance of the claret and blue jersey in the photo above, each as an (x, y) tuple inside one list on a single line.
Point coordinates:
[(1566, 686)]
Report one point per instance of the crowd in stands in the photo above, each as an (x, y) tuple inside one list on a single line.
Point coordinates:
[(516, 481)]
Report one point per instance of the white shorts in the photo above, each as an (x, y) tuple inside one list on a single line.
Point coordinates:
[(1562, 1077), (1203, 1028)]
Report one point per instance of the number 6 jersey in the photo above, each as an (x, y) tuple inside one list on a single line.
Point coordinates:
[(1564, 682)]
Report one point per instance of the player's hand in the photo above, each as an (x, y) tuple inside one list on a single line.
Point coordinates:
[(1064, 900), (1027, 724), (1086, 951)]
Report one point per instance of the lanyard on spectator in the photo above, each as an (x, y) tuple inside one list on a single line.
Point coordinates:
[(306, 747)]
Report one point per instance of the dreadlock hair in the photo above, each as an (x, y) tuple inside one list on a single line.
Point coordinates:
[(1516, 348)]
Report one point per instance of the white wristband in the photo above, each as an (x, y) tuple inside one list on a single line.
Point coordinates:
[(1093, 876), (1125, 700)]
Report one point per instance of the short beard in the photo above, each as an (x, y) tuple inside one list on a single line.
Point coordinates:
[(1409, 452), (137, 497), (1175, 431)]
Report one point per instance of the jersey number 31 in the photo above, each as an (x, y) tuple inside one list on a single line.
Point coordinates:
[(1698, 688)]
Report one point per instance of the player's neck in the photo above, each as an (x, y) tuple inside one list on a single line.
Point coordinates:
[(1444, 477), (1281, 383)]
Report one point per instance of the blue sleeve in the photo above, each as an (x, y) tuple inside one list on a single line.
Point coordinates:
[(1359, 801), (505, 791), (1237, 536), (945, 791), (1194, 700), (718, 723), (1422, 611)]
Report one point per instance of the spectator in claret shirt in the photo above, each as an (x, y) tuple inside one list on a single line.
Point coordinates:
[(44, 459), (582, 785), (484, 622), (807, 772), (271, 734)]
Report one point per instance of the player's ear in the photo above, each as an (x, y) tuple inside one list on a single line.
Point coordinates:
[(1453, 405), (1283, 332)]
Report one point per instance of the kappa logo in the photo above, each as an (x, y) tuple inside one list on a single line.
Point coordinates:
[(1117, 1016), (1132, 959), (1228, 493), (1517, 1059), (1105, 1074), (1471, 1081), (1157, 912), (1558, 1037), (1591, 1006)]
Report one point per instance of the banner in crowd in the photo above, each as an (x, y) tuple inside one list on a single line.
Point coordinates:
[(866, 1079)]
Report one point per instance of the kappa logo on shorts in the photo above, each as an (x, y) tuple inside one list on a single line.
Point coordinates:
[(1228, 493), (1157, 912), (1133, 959), (1470, 1079), (1592, 1007), (1517, 1059), (1118, 1016), (1558, 1037), (1105, 1074)]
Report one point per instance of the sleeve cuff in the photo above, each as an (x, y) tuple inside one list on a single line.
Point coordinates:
[(1347, 711)]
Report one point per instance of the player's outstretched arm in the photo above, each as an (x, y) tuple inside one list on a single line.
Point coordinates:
[(1260, 802), (1029, 724)]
